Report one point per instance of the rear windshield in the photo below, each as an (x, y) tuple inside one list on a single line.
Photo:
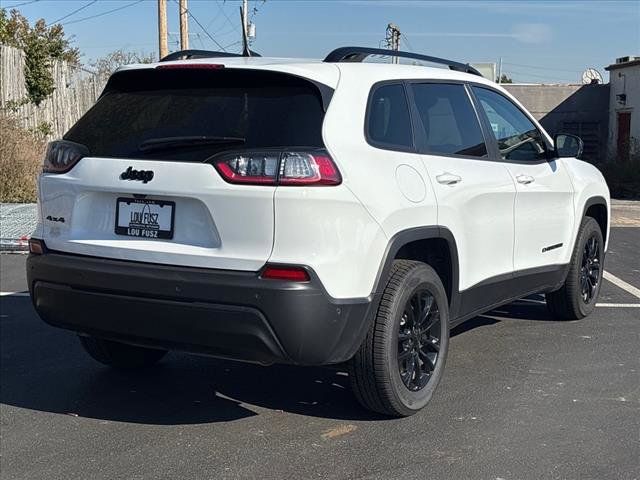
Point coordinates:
[(224, 109)]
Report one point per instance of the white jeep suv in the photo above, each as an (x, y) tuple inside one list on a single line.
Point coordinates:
[(311, 213)]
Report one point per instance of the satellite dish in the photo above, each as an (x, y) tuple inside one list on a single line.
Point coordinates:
[(591, 76)]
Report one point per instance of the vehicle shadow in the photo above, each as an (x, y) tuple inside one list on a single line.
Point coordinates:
[(45, 369), (531, 308)]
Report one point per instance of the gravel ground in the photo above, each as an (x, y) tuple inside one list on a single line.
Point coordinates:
[(17, 222)]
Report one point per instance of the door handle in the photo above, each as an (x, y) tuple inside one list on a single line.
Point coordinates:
[(448, 178), (525, 179)]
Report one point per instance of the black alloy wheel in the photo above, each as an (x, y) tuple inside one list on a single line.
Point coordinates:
[(590, 269), (418, 340), (402, 358), (577, 296)]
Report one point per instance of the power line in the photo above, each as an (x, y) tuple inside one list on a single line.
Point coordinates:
[(213, 20), (103, 13), (535, 67), (255, 10), (74, 12), (23, 3), (235, 26), (203, 29), (224, 33), (544, 77), (406, 42), (233, 44)]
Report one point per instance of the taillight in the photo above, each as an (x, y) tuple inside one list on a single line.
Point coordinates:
[(279, 168), (290, 274), (252, 167), (62, 155)]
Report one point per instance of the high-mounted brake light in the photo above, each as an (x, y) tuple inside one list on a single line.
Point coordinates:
[(62, 155), (288, 168), (291, 274), (190, 66)]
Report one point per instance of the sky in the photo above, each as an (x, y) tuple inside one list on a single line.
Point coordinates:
[(538, 41)]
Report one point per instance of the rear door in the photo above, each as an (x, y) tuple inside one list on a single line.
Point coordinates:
[(544, 214), (475, 195), (147, 189)]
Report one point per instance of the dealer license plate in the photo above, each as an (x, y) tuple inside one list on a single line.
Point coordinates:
[(144, 218)]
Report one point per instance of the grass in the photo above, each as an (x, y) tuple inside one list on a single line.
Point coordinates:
[(21, 154)]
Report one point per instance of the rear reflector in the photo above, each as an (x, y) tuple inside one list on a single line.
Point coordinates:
[(291, 274), (292, 168), (190, 66), (36, 246)]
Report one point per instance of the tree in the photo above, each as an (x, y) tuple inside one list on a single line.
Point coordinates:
[(505, 79), (108, 64), (42, 44)]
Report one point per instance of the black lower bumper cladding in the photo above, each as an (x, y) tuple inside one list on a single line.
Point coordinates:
[(223, 313)]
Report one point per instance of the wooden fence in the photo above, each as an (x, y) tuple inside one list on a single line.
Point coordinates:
[(75, 92)]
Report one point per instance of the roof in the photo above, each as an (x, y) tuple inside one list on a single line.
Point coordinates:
[(327, 73), (315, 70), (618, 66)]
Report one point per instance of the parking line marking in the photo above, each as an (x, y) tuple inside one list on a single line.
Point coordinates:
[(14, 294), (619, 305), (622, 284)]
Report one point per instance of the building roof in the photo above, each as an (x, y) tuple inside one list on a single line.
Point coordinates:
[(617, 66)]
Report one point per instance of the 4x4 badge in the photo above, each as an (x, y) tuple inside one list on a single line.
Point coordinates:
[(143, 175)]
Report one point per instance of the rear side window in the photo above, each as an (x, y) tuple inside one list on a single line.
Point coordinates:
[(450, 123), (389, 124), (191, 114)]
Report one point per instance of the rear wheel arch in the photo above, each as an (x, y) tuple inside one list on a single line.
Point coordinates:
[(596, 208), (433, 245)]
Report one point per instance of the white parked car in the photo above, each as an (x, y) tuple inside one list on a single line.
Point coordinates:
[(311, 213)]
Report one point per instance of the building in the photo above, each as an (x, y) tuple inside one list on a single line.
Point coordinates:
[(624, 108), (570, 108)]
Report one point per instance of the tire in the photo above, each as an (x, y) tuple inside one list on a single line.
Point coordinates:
[(380, 380), (569, 302), (120, 355)]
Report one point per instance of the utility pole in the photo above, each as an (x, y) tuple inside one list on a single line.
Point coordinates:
[(163, 44), (393, 39), (244, 18), (184, 25), (500, 70), (245, 15)]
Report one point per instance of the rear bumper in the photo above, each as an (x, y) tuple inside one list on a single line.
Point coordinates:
[(221, 313)]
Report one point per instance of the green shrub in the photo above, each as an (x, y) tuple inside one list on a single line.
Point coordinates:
[(42, 44)]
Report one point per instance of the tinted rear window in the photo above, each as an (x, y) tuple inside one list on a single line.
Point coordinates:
[(389, 123), (266, 109)]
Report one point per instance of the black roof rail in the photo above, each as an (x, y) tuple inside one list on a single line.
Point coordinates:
[(358, 54), (191, 54)]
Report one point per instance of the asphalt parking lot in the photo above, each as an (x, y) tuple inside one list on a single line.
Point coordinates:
[(523, 397)]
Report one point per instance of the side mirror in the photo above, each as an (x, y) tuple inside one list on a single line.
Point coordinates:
[(566, 145)]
